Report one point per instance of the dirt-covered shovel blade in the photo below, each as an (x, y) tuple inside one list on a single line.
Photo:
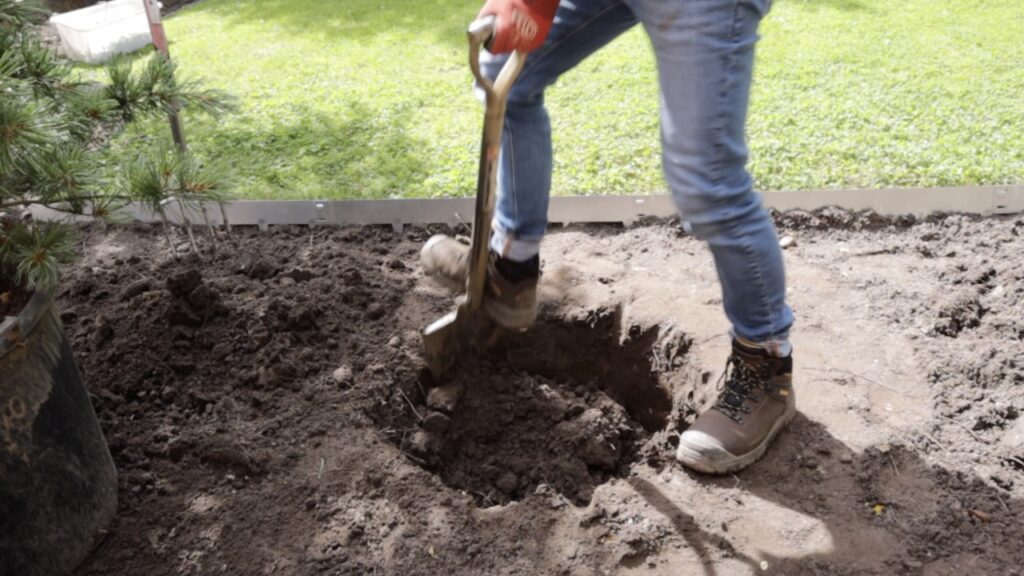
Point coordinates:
[(442, 341), (457, 332)]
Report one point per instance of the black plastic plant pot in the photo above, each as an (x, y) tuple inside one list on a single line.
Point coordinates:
[(58, 485)]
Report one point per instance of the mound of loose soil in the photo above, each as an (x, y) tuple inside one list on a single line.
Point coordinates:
[(564, 408), (270, 413)]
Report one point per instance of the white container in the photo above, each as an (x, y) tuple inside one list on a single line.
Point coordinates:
[(96, 33)]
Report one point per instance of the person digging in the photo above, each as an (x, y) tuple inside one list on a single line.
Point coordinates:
[(705, 56)]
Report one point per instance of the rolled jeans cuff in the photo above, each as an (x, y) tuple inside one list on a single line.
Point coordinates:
[(507, 245), (777, 346)]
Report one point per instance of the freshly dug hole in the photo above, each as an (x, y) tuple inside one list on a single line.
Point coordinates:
[(565, 406)]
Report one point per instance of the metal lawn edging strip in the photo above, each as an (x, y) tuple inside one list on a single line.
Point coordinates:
[(984, 200)]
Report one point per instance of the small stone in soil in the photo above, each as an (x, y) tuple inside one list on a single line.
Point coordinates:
[(299, 275), (600, 445), (181, 285), (1013, 439), (424, 442), (375, 311), (436, 422), (507, 482), (136, 288), (176, 449), (445, 398), (352, 277), (343, 375), (575, 410)]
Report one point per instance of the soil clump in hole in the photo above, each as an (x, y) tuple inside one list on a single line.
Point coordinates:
[(563, 407)]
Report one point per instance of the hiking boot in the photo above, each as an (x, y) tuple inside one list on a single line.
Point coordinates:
[(446, 260), (510, 297), (510, 294), (755, 404)]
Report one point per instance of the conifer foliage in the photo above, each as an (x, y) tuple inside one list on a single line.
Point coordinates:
[(53, 127)]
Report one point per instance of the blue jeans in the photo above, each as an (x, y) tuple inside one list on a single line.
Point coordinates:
[(705, 56)]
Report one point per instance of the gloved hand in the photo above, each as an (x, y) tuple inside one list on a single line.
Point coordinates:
[(521, 24)]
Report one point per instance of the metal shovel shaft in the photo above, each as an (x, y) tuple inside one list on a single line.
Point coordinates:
[(496, 98), (455, 333)]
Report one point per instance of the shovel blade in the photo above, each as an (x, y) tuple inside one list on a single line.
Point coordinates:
[(443, 341), (455, 334)]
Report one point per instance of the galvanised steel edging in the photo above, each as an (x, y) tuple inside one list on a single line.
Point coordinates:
[(987, 200)]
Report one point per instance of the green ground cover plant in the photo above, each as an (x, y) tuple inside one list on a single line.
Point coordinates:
[(371, 98)]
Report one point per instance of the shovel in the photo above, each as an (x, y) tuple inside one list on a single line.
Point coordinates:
[(457, 332)]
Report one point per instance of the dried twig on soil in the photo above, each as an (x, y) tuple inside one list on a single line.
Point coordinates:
[(420, 386), (209, 228), (855, 375), (486, 497), (894, 468), (224, 216), (389, 431), (965, 428), (314, 236), (188, 227), (931, 438), (167, 233), (1001, 501), (983, 516), (416, 459), (411, 405), (469, 229), (877, 252)]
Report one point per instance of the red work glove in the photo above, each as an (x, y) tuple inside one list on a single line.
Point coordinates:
[(521, 24)]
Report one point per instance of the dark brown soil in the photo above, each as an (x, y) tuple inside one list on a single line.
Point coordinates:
[(268, 408)]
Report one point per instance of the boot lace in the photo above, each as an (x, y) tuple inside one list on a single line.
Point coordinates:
[(740, 382)]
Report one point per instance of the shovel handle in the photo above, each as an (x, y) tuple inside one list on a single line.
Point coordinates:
[(496, 93), (480, 33), (449, 337)]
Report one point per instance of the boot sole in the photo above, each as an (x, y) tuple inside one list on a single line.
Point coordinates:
[(517, 319), (449, 284), (510, 318), (702, 463), (454, 284)]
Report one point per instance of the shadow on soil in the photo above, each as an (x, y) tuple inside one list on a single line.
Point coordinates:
[(888, 509)]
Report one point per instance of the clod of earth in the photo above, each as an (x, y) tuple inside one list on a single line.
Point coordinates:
[(445, 398), (342, 375)]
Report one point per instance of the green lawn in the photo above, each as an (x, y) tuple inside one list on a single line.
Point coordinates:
[(371, 98)]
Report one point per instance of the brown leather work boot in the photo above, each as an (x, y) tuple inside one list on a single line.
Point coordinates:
[(510, 296), (755, 404), (446, 260)]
